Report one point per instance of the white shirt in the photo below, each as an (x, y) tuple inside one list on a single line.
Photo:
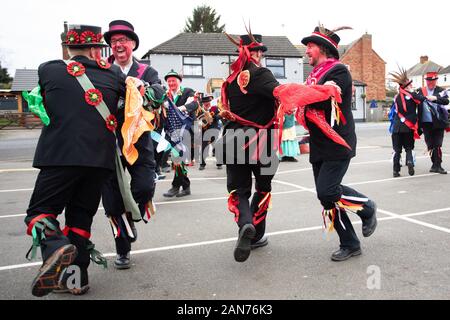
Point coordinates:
[(125, 69)]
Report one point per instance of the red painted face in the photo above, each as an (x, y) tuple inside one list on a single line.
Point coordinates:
[(173, 83), (431, 84), (313, 53), (122, 48)]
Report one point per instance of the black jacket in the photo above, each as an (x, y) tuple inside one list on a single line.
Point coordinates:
[(323, 148), (410, 114), (440, 100), (258, 105), (77, 134)]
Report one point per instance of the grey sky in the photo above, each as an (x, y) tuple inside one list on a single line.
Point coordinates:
[(402, 30)]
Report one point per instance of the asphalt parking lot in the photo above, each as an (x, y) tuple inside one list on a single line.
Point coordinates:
[(186, 251)]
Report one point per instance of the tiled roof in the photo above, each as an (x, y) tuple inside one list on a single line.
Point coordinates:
[(445, 70), (422, 68), (25, 79), (218, 44)]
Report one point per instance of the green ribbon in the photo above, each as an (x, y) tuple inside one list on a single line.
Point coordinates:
[(36, 105), (39, 236), (96, 256)]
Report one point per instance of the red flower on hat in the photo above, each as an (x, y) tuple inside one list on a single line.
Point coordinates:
[(76, 69), (111, 123), (72, 37), (88, 37), (93, 97), (103, 64), (99, 37)]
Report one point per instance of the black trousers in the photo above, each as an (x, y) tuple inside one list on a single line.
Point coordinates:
[(142, 189), (434, 139), (239, 180), (77, 190), (328, 176), (400, 141)]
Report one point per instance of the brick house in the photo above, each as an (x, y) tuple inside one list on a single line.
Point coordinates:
[(366, 66)]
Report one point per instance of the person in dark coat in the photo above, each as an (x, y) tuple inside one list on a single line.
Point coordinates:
[(210, 126), (123, 40), (75, 155), (330, 160), (405, 124), (433, 119), (249, 110), (186, 101)]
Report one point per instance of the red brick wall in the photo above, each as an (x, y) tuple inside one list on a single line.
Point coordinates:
[(366, 66)]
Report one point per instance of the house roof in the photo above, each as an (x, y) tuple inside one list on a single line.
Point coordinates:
[(308, 68), (218, 44), (25, 79), (445, 70), (422, 68)]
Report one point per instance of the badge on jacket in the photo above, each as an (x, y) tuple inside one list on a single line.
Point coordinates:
[(243, 80)]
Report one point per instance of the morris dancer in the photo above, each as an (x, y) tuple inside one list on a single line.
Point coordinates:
[(249, 107), (75, 155), (330, 160), (176, 123), (123, 41), (433, 120), (405, 125)]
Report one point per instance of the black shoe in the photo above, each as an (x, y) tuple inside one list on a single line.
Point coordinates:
[(243, 244), (161, 176), (441, 170), (411, 169), (291, 159), (264, 241), (369, 225), (434, 169), (396, 174), (172, 192), (219, 167), (184, 192), (122, 261), (202, 167), (49, 274), (345, 254)]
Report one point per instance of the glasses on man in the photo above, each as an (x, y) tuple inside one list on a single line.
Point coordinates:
[(120, 40)]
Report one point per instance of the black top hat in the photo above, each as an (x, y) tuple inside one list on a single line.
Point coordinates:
[(325, 38), (247, 41), (173, 73), (84, 36), (123, 27), (207, 98)]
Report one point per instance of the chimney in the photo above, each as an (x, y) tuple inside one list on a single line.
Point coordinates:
[(423, 59), (65, 54)]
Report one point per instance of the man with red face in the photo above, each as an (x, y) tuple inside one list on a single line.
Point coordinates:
[(429, 113), (123, 41), (329, 159)]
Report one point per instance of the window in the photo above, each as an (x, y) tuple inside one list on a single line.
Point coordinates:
[(277, 67), (193, 66)]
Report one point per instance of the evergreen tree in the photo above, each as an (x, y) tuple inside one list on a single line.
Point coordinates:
[(204, 19), (5, 79)]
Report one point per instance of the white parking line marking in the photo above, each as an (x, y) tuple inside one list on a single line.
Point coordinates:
[(421, 223), (392, 216)]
